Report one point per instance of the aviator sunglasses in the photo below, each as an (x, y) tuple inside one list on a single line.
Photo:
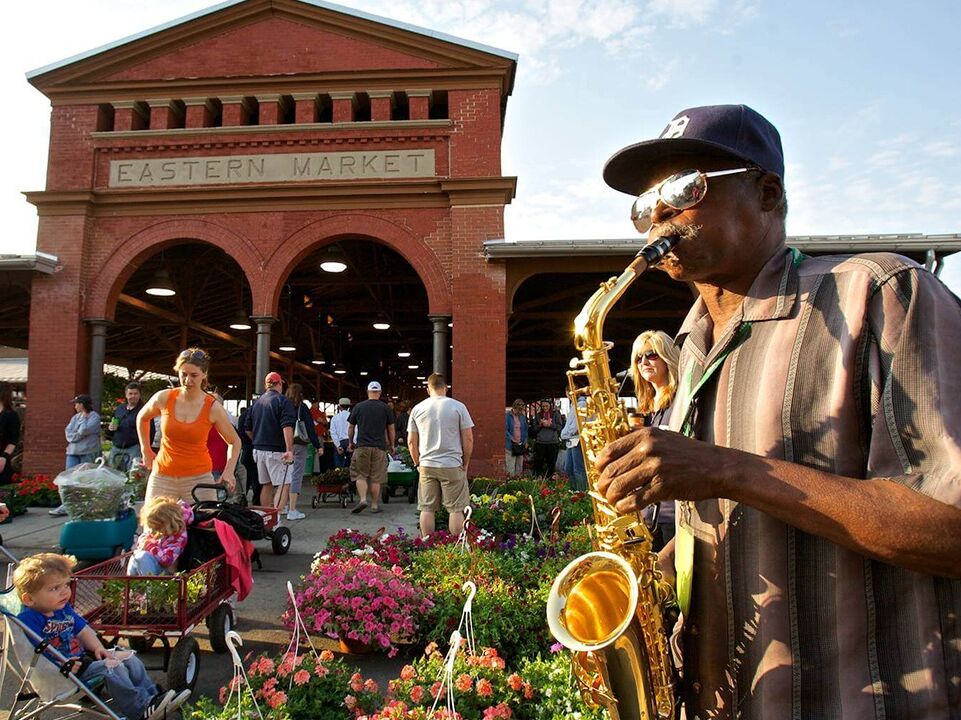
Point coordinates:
[(680, 191)]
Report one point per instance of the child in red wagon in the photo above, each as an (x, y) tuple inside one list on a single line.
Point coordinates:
[(164, 536)]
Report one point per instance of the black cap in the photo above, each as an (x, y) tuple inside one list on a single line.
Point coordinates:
[(85, 399), (726, 131)]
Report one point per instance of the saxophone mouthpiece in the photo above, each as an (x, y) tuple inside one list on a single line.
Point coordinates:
[(655, 251)]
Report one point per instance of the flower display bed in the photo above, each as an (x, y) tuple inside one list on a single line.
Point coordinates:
[(376, 592)]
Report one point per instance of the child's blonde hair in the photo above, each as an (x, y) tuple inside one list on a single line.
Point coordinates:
[(34, 572), (163, 515)]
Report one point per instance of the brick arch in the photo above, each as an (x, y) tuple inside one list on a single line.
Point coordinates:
[(304, 241), (107, 285)]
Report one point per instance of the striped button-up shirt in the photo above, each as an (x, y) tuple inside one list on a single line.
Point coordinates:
[(849, 365)]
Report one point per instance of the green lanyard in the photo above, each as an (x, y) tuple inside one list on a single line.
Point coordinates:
[(684, 542)]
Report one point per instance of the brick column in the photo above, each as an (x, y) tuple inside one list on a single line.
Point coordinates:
[(164, 114), (305, 108), (419, 102), (234, 110), (128, 115), (59, 345), (344, 103), (200, 113), (270, 109), (381, 103), (479, 367)]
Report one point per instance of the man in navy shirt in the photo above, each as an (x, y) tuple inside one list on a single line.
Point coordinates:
[(122, 431), (270, 425)]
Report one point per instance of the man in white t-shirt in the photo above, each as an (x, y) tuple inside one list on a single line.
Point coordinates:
[(441, 439)]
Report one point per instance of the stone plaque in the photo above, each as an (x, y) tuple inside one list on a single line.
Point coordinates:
[(291, 167)]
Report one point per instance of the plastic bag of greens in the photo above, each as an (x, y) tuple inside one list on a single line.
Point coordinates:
[(91, 491)]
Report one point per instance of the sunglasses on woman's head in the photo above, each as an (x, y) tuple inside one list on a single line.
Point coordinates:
[(193, 355), (680, 191)]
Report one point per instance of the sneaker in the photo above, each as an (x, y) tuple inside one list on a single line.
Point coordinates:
[(295, 515), (59, 511), (158, 706)]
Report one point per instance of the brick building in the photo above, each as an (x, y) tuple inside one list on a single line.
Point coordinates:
[(227, 153), (229, 156)]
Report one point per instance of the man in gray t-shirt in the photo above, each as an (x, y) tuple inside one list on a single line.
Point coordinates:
[(441, 440)]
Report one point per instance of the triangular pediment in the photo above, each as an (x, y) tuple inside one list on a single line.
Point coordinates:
[(272, 46), (270, 38)]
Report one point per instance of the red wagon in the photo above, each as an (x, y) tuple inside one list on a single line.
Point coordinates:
[(146, 609)]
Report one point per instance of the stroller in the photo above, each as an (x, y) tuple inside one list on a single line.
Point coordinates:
[(45, 682)]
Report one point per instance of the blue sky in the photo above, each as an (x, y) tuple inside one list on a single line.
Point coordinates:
[(864, 94)]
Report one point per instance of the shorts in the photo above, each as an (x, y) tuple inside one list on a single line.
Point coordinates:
[(179, 487), (436, 483), (370, 464), (270, 464)]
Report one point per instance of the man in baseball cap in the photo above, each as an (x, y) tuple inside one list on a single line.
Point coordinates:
[(338, 433), (270, 425), (816, 412), (374, 422)]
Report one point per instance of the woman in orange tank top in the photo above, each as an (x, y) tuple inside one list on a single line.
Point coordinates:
[(186, 416)]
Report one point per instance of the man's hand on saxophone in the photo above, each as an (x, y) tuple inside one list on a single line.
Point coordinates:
[(651, 465)]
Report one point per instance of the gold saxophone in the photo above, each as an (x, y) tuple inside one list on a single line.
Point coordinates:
[(608, 606)]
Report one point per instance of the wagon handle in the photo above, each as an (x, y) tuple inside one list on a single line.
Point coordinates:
[(210, 486)]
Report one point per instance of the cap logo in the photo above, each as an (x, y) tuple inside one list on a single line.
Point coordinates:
[(676, 127)]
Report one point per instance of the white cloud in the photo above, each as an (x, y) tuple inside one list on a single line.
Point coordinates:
[(942, 149)]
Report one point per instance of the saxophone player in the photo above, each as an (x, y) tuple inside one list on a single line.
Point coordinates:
[(814, 450)]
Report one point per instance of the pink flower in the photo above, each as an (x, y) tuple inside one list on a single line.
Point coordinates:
[(350, 701), (321, 671), (371, 686), (356, 683), (326, 656), (266, 665), (277, 699), (407, 672), (417, 693), (484, 687), (301, 677), (223, 695), (514, 682), (464, 683)]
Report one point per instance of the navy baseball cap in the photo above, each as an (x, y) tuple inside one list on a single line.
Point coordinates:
[(727, 131)]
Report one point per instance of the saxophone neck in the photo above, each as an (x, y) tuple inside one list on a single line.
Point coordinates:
[(589, 323)]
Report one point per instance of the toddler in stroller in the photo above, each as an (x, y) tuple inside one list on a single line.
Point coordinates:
[(42, 583)]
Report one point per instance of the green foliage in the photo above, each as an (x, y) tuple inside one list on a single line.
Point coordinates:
[(505, 611), (557, 697), (153, 597), (114, 387), (288, 687)]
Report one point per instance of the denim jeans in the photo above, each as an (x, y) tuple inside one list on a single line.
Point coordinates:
[(143, 563), (73, 460), (129, 685), (342, 460), (122, 458)]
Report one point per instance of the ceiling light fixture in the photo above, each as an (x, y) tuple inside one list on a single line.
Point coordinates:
[(240, 322), (160, 285), (333, 260), (404, 352), (287, 345)]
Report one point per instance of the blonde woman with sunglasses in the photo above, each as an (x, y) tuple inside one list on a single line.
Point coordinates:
[(186, 415), (654, 372)]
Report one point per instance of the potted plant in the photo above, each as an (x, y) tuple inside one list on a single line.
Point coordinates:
[(363, 605)]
